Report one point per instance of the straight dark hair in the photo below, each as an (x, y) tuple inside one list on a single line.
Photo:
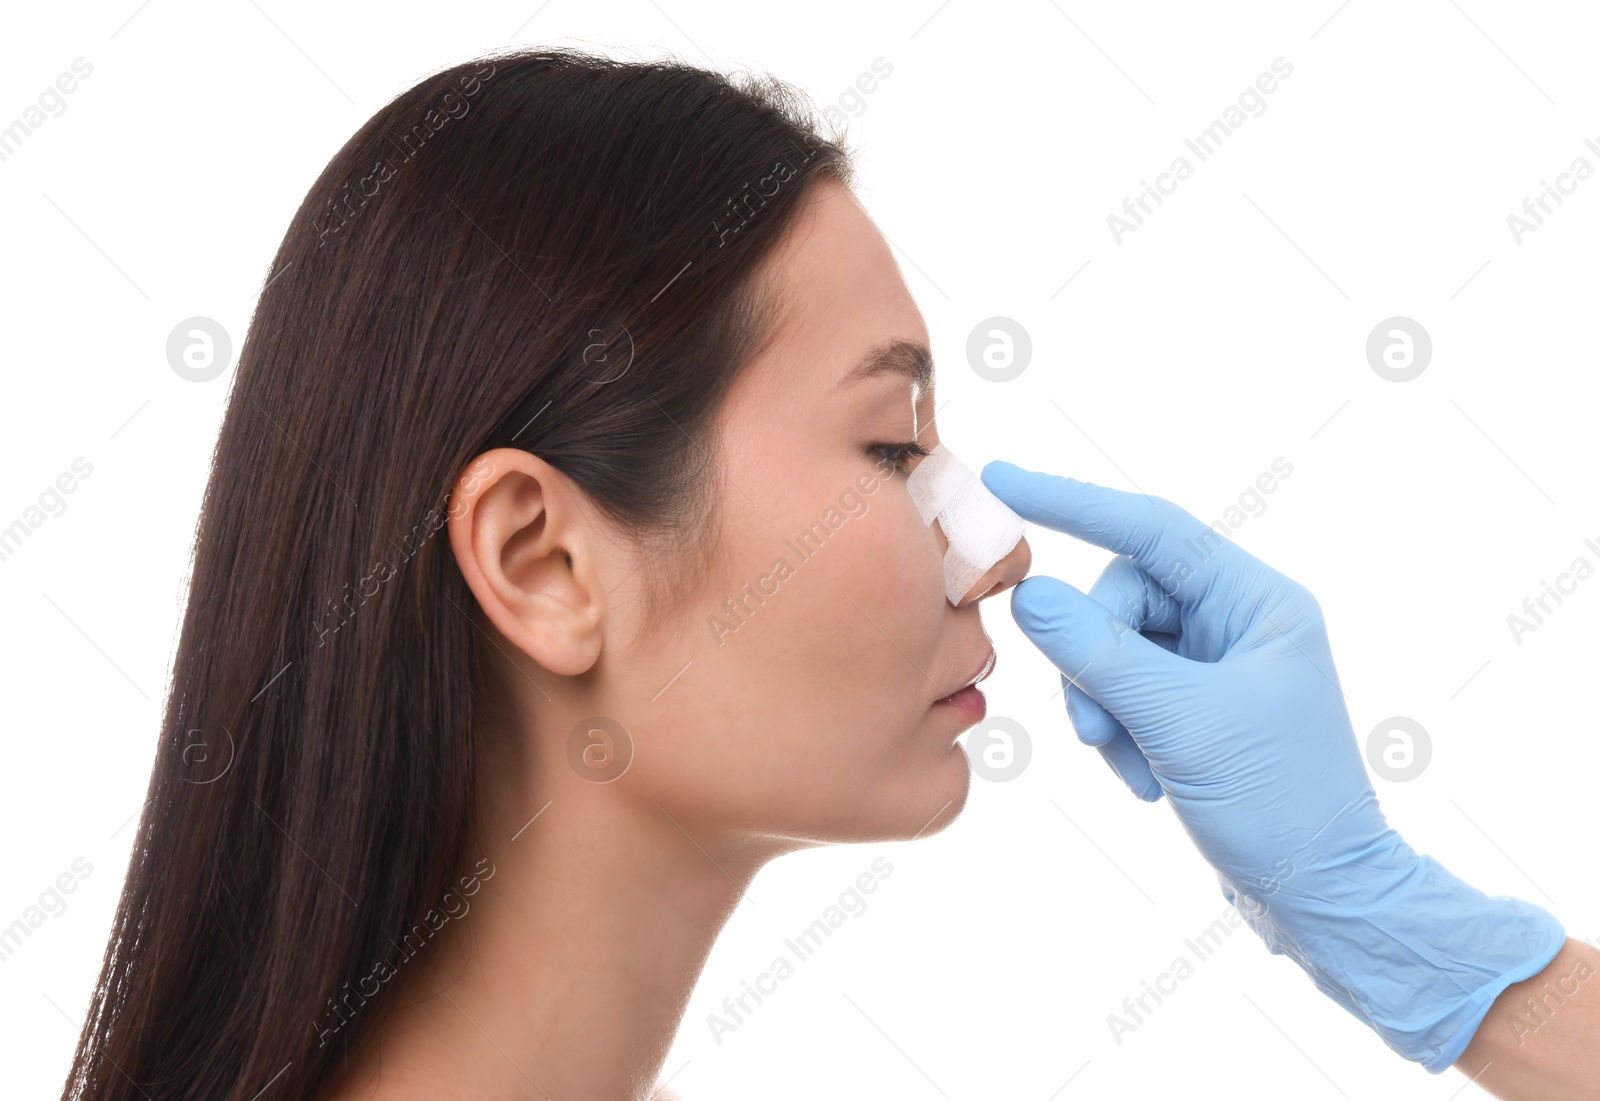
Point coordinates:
[(542, 249)]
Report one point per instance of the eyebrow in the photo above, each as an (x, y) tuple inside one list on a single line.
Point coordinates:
[(898, 357)]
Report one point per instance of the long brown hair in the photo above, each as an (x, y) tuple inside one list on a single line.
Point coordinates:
[(541, 249)]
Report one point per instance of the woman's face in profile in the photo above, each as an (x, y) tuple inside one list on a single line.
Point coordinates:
[(820, 638)]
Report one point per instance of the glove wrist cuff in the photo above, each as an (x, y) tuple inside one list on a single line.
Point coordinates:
[(1407, 947)]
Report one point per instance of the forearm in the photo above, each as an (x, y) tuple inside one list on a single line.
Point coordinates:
[(1541, 1039)]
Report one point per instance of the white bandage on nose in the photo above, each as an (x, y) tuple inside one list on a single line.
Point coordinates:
[(980, 528)]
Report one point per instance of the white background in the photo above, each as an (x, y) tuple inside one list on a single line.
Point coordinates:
[(1227, 331)]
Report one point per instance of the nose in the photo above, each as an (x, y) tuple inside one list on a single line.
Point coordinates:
[(1002, 575)]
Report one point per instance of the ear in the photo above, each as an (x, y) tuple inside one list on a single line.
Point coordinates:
[(524, 540)]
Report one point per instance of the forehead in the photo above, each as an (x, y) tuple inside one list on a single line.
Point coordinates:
[(844, 312)]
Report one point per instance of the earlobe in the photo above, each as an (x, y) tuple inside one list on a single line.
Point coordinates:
[(524, 541)]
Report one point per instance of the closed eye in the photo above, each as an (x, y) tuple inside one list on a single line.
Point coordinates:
[(900, 454)]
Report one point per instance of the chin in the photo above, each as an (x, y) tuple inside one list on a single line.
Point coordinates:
[(935, 801), (953, 796)]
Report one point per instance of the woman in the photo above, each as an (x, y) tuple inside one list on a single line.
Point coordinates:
[(558, 569), (555, 573)]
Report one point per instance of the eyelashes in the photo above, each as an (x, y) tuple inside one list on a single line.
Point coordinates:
[(900, 454)]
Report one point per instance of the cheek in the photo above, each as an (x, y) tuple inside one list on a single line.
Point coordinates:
[(820, 693), (857, 607), (893, 573)]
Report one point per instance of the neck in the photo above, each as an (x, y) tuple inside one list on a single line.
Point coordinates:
[(567, 972)]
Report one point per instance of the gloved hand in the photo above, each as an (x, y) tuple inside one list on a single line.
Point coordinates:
[(1202, 673)]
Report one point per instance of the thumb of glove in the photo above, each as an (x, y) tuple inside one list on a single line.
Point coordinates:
[(1096, 650)]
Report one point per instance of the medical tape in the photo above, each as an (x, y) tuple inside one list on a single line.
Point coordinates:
[(979, 527)]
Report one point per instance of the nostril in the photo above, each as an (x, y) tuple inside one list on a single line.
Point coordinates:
[(996, 589), (1005, 573)]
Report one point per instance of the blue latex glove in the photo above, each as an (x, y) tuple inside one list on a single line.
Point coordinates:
[(1202, 673)]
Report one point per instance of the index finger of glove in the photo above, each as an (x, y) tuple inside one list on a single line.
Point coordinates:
[(1179, 552)]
